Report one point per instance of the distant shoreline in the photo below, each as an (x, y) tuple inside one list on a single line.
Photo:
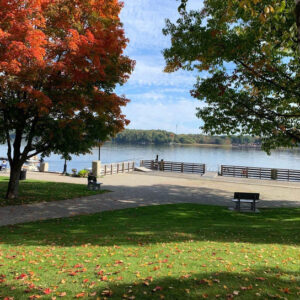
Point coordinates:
[(230, 146), (192, 145)]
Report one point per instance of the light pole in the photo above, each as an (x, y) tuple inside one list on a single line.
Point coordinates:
[(99, 146)]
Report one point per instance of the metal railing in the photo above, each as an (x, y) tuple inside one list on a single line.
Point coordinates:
[(169, 166), (260, 173)]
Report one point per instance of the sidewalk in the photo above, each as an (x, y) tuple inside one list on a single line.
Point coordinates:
[(135, 189)]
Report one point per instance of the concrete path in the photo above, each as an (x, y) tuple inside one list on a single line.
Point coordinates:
[(135, 189)]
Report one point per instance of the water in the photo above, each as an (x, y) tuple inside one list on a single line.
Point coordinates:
[(213, 157)]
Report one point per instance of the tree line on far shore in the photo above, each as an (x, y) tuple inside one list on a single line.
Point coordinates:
[(160, 137)]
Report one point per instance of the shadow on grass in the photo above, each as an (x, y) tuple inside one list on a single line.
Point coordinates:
[(161, 224), (261, 283)]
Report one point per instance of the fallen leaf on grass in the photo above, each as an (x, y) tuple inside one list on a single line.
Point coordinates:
[(47, 291), (107, 293), (158, 288), (80, 295), (285, 290), (22, 276), (261, 278), (104, 278), (62, 294), (35, 297)]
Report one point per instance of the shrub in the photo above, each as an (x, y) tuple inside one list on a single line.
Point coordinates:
[(83, 173)]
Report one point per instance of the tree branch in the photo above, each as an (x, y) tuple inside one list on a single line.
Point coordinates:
[(28, 147), (41, 150), (8, 140), (264, 77)]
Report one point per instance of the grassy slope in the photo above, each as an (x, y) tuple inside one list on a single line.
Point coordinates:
[(32, 191), (182, 251)]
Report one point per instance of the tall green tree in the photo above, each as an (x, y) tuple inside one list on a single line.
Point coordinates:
[(247, 54)]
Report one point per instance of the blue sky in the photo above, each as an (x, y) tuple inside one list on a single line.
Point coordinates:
[(158, 100)]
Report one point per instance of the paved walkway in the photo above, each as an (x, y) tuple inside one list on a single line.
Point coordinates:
[(133, 190)]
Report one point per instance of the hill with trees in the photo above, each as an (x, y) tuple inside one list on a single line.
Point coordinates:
[(161, 137)]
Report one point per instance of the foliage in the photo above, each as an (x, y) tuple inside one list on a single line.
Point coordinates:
[(60, 61), (183, 251), (159, 137), (248, 54), (33, 191), (83, 173)]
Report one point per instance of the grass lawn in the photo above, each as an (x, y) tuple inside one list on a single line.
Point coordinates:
[(32, 191), (181, 251)]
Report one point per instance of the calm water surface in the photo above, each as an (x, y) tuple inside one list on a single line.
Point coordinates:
[(213, 157)]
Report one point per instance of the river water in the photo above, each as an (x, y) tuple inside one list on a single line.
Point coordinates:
[(213, 157)]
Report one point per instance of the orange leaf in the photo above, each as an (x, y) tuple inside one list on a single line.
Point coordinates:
[(47, 291), (80, 295)]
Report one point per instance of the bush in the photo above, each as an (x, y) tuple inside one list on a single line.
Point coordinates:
[(83, 173)]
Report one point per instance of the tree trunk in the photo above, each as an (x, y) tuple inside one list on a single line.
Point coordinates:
[(13, 185), (65, 167)]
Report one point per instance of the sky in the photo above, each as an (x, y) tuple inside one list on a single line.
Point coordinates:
[(158, 100)]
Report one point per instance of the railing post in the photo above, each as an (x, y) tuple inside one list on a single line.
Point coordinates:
[(105, 170), (221, 170), (118, 168), (181, 167)]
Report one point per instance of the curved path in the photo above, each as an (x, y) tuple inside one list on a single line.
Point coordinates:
[(132, 190)]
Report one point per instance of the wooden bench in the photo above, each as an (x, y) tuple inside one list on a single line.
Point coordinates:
[(93, 184), (251, 198)]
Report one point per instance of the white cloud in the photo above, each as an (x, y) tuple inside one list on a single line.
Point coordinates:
[(164, 115), (150, 73), (144, 20)]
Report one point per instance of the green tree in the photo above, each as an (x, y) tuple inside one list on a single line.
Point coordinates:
[(249, 50)]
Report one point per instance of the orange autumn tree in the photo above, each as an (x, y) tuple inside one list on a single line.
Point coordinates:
[(60, 61)]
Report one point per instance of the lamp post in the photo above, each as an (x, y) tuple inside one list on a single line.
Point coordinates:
[(99, 146)]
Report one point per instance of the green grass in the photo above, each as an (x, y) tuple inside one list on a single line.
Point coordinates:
[(33, 191), (181, 251)]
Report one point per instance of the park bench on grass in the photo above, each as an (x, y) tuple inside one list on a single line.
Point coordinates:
[(93, 184), (250, 198)]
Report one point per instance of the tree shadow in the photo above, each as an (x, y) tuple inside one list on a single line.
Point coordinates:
[(160, 224), (262, 282)]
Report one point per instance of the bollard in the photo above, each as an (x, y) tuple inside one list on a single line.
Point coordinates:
[(44, 167), (96, 168)]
